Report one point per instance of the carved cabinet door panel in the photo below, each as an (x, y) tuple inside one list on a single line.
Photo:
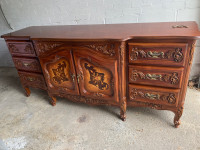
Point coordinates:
[(96, 74), (59, 72)]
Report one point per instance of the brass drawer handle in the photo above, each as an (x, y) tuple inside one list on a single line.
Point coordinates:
[(152, 96), (79, 76), (154, 76), (31, 79), (26, 64), (155, 54), (73, 77)]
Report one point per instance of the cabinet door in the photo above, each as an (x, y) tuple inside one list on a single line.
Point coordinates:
[(96, 74), (59, 72)]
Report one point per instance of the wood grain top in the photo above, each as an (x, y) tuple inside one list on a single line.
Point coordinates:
[(108, 31)]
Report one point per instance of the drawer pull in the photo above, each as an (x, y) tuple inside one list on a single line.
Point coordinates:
[(31, 79), (152, 96), (79, 76), (26, 64), (154, 76), (155, 54), (73, 77)]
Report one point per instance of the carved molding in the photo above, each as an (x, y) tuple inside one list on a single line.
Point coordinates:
[(191, 53), (82, 99), (107, 49), (172, 78), (43, 47), (152, 105), (169, 98), (176, 54)]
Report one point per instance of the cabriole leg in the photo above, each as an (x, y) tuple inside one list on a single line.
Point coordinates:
[(27, 91), (123, 111), (177, 117)]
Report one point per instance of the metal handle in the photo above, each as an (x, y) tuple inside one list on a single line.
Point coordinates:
[(73, 77), (79, 76), (154, 76), (26, 64), (31, 79), (155, 54), (152, 96)]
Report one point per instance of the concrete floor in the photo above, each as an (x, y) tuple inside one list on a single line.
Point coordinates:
[(33, 124)]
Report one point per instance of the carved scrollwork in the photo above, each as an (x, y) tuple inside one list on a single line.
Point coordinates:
[(169, 98), (27, 65), (191, 53), (13, 48), (172, 78), (107, 49), (29, 49), (176, 54), (43, 47), (151, 105)]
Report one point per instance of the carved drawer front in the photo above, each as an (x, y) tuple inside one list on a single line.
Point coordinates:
[(165, 54), (27, 64), (35, 80), (153, 95), (156, 76), (21, 49)]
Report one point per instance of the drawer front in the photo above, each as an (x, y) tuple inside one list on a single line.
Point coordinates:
[(27, 64), (165, 54), (156, 76), (21, 49), (35, 80), (153, 95)]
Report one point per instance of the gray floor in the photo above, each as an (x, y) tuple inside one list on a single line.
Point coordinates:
[(32, 124)]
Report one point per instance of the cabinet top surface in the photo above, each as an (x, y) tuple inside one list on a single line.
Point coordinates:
[(108, 31)]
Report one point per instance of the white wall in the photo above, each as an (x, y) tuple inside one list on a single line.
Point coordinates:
[(24, 13)]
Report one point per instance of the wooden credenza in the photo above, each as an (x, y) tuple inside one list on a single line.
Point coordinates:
[(139, 65)]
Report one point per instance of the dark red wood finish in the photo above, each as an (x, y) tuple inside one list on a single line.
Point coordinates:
[(138, 65)]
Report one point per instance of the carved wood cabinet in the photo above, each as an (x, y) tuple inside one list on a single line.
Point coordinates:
[(138, 65)]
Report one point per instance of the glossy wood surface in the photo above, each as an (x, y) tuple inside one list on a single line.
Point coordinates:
[(138, 65), (108, 31)]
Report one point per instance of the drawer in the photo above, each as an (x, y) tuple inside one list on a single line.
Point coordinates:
[(156, 76), (27, 64), (21, 49), (165, 54), (35, 80), (153, 95)]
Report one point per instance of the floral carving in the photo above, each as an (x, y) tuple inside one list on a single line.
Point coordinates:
[(175, 54), (107, 49), (42, 47), (169, 98), (29, 49), (34, 65), (172, 78), (13, 48)]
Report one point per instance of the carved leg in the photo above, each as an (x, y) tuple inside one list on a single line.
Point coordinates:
[(177, 117), (53, 100), (123, 110), (27, 91)]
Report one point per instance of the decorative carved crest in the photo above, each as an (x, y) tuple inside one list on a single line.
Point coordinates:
[(176, 54), (169, 98), (43, 47), (172, 78), (107, 49), (96, 78)]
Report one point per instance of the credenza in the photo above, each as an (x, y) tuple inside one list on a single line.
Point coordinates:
[(136, 64)]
